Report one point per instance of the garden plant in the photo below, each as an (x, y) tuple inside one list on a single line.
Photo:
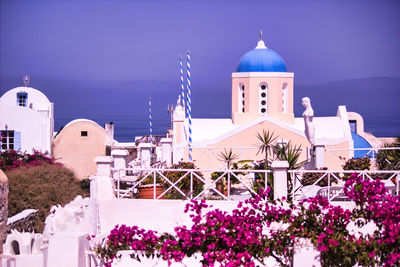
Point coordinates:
[(244, 237)]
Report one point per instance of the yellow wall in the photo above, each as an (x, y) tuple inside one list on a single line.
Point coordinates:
[(248, 138), (78, 152), (252, 98)]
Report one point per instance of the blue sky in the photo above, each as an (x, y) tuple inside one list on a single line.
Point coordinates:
[(114, 46)]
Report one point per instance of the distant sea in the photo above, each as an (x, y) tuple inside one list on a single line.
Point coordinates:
[(376, 99)]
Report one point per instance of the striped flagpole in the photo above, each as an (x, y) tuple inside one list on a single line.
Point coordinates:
[(182, 86), (150, 122), (189, 104)]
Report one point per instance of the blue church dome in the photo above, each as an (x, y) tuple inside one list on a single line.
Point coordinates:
[(261, 59)]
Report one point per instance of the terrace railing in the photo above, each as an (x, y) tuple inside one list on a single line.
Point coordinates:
[(335, 182), (332, 189), (161, 174)]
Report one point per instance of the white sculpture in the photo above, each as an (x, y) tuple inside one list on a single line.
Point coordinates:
[(308, 116), (70, 218)]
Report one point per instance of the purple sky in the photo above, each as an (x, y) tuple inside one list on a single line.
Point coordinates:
[(107, 41), (117, 45)]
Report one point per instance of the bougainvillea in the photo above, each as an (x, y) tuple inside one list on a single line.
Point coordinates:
[(368, 235), (11, 159)]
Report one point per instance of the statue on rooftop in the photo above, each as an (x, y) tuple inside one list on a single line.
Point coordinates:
[(308, 116)]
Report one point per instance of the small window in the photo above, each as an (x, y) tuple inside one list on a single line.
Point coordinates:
[(21, 99), (263, 96), (353, 126), (7, 140), (285, 101), (84, 133), (241, 98)]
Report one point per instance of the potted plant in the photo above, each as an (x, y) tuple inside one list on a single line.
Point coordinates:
[(146, 188), (227, 156), (184, 183)]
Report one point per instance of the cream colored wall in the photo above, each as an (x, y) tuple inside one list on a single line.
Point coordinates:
[(78, 152), (359, 121), (252, 98), (248, 138)]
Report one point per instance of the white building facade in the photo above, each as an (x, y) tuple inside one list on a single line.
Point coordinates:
[(26, 120)]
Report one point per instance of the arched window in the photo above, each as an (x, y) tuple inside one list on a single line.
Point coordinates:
[(241, 98), (285, 98), (263, 89)]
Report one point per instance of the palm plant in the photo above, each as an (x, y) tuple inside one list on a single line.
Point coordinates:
[(290, 153), (266, 144), (228, 157)]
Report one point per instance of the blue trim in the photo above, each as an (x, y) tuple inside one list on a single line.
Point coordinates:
[(17, 141), (360, 142)]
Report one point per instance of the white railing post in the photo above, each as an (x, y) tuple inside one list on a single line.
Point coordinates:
[(191, 185), (279, 169), (103, 166), (154, 184), (118, 184), (319, 156), (228, 185)]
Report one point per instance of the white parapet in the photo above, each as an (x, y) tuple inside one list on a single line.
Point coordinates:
[(166, 148), (280, 178), (67, 249), (119, 156), (104, 165), (145, 154)]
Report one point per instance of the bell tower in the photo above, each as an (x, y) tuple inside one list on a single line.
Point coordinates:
[(261, 86)]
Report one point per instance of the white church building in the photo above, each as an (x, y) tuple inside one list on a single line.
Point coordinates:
[(26, 120)]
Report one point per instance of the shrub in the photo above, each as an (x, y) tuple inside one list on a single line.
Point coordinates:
[(360, 164), (389, 159), (184, 184), (85, 185), (309, 178), (41, 187)]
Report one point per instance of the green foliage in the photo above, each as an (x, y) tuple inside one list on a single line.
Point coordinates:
[(266, 143), (228, 157), (40, 188), (309, 178), (183, 184), (389, 159), (290, 153), (85, 185), (360, 164), (357, 164)]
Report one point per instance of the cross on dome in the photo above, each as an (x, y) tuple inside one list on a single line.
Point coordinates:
[(261, 44)]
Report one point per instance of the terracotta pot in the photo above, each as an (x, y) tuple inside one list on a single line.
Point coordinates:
[(219, 186), (146, 191)]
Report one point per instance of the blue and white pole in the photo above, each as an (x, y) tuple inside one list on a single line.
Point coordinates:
[(150, 121), (182, 86), (189, 104)]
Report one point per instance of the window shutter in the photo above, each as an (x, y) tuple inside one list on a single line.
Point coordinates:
[(17, 141)]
